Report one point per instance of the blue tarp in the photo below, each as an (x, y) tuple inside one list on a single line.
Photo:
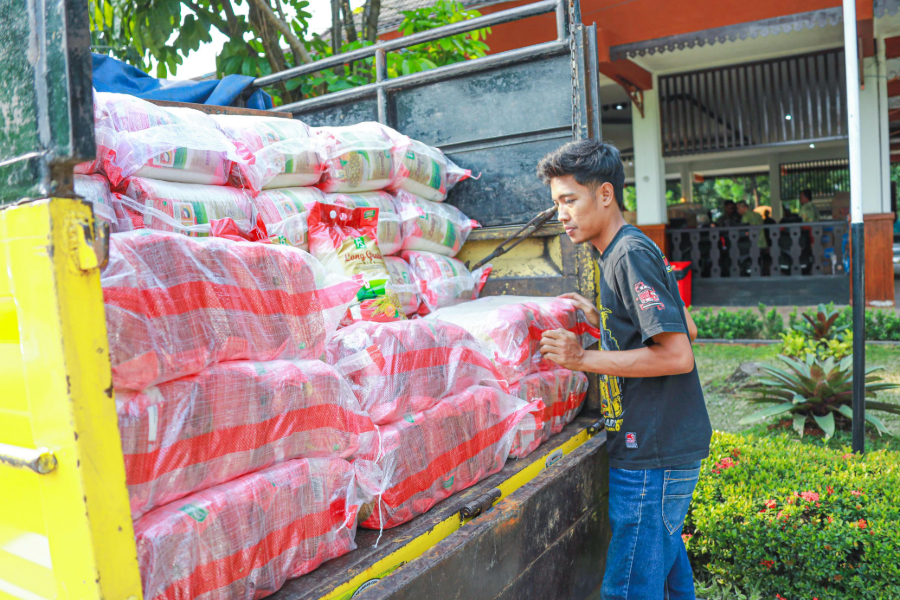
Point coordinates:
[(112, 75)]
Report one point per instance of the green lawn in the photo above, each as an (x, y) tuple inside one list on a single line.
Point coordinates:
[(716, 362)]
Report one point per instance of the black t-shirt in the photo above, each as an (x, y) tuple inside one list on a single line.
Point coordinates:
[(651, 422)]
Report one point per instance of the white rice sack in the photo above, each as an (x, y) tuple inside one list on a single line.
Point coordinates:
[(278, 152), (137, 138), (183, 207), (389, 234), (427, 172), (444, 281), (360, 158), (404, 283), (432, 226), (284, 211), (95, 189)]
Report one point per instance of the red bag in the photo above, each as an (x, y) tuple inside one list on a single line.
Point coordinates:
[(243, 539), (431, 455), (175, 304), (233, 418), (405, 367), (562, 392)]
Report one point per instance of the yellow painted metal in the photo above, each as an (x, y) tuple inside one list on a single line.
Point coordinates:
[(417, 546), (66, 534)]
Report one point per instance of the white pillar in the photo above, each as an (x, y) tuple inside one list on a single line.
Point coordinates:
[(874, 137), (775, 187), (649, 168)]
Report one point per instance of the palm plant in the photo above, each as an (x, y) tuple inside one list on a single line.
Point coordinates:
[(820, 326), (816, 388)]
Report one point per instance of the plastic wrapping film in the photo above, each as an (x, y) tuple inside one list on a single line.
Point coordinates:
[(277, 152), (361, 157), (230, 419), (562, 392), (182, 207), (95, 189), (426, 172), (345, 241), (429, 456), (444, 281), (137, 138), (243, 539), (512, 327), (432, 226), (175, 305), (284, 211), (405, 284), (389, 233), (405, 367)]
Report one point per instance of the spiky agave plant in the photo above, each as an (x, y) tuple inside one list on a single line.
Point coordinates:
[(815, 389)]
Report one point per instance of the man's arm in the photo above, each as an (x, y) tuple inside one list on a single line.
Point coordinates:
[(692, 327), (670, 354)]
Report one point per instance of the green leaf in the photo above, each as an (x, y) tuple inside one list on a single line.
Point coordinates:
[(767, 412), (826, 424), (878, 424), (799, 423)]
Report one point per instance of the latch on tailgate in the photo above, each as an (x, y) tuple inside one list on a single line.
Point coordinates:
[(41, 461)]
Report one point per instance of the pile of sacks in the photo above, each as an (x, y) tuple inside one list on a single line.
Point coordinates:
[(271, 391)]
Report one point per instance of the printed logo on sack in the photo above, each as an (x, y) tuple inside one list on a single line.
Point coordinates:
[(360, 243), (647, 296), (195, 512), (369, 214), (631, 440), (448, 483)]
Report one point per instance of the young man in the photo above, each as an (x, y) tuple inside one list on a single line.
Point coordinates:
[(808, 211), (656, 421), (751, 217)]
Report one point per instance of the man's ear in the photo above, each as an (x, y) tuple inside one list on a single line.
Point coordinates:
[(607, 194)]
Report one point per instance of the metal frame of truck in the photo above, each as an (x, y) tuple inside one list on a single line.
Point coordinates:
[(537, 529)]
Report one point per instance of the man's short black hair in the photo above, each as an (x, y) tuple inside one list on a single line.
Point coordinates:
[(807, 192), (592, 163), (727, 202)]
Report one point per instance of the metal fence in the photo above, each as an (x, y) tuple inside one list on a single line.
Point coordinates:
[(822, 177), (767, 103)]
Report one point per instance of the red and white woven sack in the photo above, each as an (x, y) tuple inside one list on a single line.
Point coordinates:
[(512, 326), (285, 213), (432, 226), (243, 539), (429, 456), (233, 418), (444, 281), (404, 367), (562, 392), (360, 158), (175, 304)]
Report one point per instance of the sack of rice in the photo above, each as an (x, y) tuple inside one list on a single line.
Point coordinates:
[(183, 207), (404, 283), (175, 305), (230, 419), (444, 281), (345, 241), (427, 172), (360, 158), (277, 152), (428, 456), (432, 226), (284, 212), (95, 189), (400, 368), (512, 327), (241, 540), (562, 392), (137, 138), (389, 234)]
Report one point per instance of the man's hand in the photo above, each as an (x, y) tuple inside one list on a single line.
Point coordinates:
[(563, 347), (587, 307)]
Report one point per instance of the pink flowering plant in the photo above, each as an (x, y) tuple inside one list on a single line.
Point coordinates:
[(797, 520)]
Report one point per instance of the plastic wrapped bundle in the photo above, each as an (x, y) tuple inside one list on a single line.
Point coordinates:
[(427, 172), (405, 367), (512, 327), (175, 305), (360, 158), (277, 152), (404, 283), (243, 539), (95, 189), (284, 211), (345, 241), (431, 455), (183, 207), (444, 281), (233, 418), (562, 392), (140, 139), (432, 226), (389, 234)]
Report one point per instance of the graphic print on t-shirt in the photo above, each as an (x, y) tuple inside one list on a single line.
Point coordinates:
[(610, 387)]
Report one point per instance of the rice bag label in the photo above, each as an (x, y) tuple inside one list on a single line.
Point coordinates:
[(195, 512), (364, 165), (423, 169)]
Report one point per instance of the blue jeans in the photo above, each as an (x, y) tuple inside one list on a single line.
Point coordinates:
[(647, 559)]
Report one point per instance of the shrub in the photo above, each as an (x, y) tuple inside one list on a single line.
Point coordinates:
[(727, 325), (797, 345), (797, 520)]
